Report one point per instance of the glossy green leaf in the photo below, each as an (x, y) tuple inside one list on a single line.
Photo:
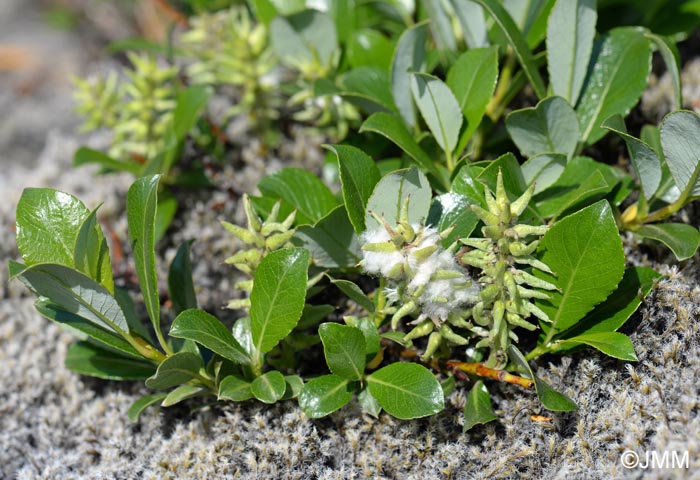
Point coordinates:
[(406, 390), (354, 293), (234, 388), (513, 178), (241, 332), (680, 139), (409, 56), (439, 109), (182, 393), (302, 191), (390, 193), (180, 284), (369, 330), (369, 404), (344, 349), (324, 395), (83, 326), (175, 370), (208, 331), (531, 17), (550, 398), (165, 212), (669, 52), (472, 79), (610, 315), (86, 155), (304, 38), (613, 344), (621, 62), (391, 127), (75, 293), (293, 386), (278, 296), (313, 314), (137, 408), (87, 359), (551, 127), (478, 409), (48, 224), (358, 177), (269, 387), (585, 251), (517, 41), (543, 170), (332, 242), (471, 19), (369, 47), (141, 201), (570, 33), (682, 239), (92, 253), (369, 88), (644, 159)]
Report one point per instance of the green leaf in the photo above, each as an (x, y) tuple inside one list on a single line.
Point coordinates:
[(269, 387), (190, 103), (234, 388), (141, 201), (180, 285), (390, 193), (618, 308), (440, 24), (137, 408), (85, 155), (682, 239), (293, 386), (344, 348), (332, 242), (409, 56), (669, 52), (354, 293), (517, 41), (165, 212), (208, 331), (513, 179), (390, 127), (358, 176), (439, 108), (278, 296), (87, 359), (543, 170), (182, 393), (680, 138), (178, 368), (300, 190), (613, 344), (478, 409), (621, 62), (472, 79), (585, 251), (92, 253), (550, 398), (644, 159), (570, 32), (369, 330), (264, 10), (324, 395), (48, 224), (551, 127), (369, 404), (305, 38), (452, 210), (582, 182), (406, 390), (369, 88), (369, 47), (471, 19), (76, 293), (107, 338), (313, 314), (123, 298), (241, 332)]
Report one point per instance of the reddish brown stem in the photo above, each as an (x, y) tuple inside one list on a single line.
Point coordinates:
[(481, 370)]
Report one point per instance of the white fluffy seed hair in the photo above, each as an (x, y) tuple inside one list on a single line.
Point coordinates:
[(379, 263)]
